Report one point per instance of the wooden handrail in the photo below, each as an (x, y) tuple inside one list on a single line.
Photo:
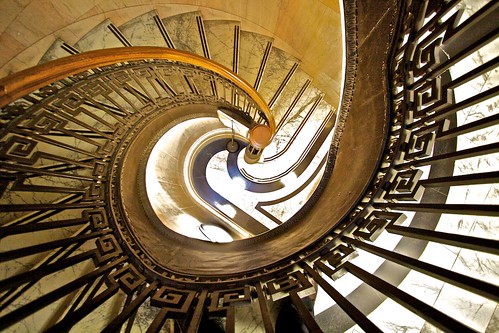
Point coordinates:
[(24, 82)]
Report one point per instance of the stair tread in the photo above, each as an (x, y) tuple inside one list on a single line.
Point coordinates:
[(296, 118), (55, 51), (289, 94), (184, 32), (251, 53), (220, 36), (278, 66), (143, 31), (100, 37), (304, 104), (301, 108)]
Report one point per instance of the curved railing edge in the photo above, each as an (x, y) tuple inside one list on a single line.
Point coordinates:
[(26, 81)]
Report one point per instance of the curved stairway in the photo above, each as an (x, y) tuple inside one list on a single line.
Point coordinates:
[(393, 243), (305, 125), (304, 119)]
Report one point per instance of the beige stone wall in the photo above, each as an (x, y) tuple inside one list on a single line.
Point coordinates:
[(308, 29)]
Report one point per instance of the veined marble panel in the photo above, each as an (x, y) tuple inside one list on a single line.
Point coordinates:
[(309, 129), (423, 287), (251, 51), (429, 328), (289, 94), (484, 226), (248, 319), (294, 120), (54, 52), (405, 320), (98, 319), (100, 37), (471, 309), (184, 32), (143, 31), (493, 325), (144, 317), (26, 263), (483, 266), (446, 255), (49, 314), (278, 66), (220, 36)]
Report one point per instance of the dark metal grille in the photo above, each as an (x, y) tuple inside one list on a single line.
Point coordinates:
[(66, 258)]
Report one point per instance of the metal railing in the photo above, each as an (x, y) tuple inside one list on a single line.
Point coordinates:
[(25, 82), (416, 176)]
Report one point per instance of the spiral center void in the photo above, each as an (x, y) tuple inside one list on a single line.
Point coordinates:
[(183, 192), (199, 185)]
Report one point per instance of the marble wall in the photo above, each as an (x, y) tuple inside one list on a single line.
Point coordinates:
[(308, 30)]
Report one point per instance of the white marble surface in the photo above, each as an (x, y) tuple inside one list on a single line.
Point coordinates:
[(278, 66), (184, 32), (220, 36), (54, 52), (143, 31), (98, 319), (493, 325), (251, 51), (100, 37), (248, 319), (52, 312), (289, 94), (293, 121)]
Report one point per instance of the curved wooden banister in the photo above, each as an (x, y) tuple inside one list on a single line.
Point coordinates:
[(24, 82)]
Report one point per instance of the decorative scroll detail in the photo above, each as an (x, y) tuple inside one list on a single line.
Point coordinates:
[(97, 218), (335, 259), (173, 300), (294, 283), (19, 149), (61, 142), (108, 248), (374, 223), (404, 186), (128, 278), (222, 300)]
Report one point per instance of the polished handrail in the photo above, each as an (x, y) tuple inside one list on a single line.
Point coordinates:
[(26, 81)]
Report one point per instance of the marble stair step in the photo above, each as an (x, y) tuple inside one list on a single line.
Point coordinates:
[(187, 32), (291, 95), (290, 123), (100, 37), (305, 119), (144, 30), (223, 37), (258, 62), (280, 68), (314, 122), (58, 49), (252, 50)]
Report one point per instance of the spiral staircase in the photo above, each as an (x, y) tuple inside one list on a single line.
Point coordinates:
[(137, 193)]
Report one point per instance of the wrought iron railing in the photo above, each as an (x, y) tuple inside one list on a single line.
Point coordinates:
[(59, 143), (98, 258), (19, 85), (419, 181)]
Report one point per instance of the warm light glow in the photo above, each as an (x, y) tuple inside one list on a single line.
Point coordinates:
[(228, 210), (289, 179), (239, 183)]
